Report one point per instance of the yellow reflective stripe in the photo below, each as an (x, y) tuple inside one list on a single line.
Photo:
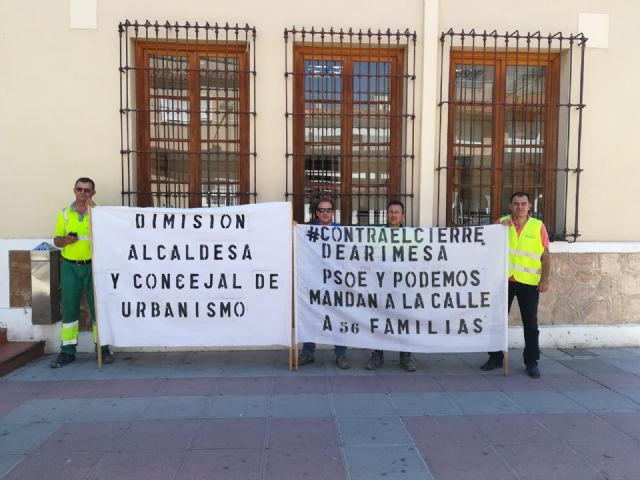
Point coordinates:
[(520, 268), (523, 253), (69, 333), (84, 237)]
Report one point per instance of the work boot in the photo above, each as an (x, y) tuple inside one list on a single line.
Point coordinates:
[(533, 371), (491, 364), (306, 359), (61, 360), (407, 362), (376, 360), (341, 362), (107, 356)]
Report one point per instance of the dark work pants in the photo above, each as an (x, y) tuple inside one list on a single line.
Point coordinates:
[(528, 297)]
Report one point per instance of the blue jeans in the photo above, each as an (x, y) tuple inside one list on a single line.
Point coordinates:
[(309, 348)]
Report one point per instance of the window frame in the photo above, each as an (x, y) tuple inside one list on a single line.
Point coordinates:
[(347, 55), (144, 49), (500, 60)]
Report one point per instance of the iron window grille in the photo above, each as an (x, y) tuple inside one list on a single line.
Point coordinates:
[(510, 119), (350, 103), (187, 114)]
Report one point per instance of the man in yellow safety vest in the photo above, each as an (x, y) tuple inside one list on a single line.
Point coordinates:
[(73, 236), (529, 267)]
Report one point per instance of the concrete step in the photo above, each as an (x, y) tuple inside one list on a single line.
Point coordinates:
[(13, 355)]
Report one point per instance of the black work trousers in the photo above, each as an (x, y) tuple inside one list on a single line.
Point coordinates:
[(528, 297)]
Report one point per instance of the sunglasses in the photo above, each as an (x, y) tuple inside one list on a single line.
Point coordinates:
[(324, 210), (83, 190)]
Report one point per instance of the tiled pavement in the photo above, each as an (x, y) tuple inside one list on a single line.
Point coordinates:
[(243, 415)]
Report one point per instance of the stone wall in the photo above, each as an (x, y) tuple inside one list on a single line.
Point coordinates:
[(590, 289)]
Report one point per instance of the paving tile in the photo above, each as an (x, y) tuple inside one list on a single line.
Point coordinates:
[(632, 394), (8, 405), (464, 383), (545, 402), (85, 437), (220, 433), (444, 364), (410, 383), (571, 381), (580, 426), (602, 400), (101, 388), (8, 461), (159, 435), (424, 404), (516, 383), (136, 465), (628, 422), (470, 461), (114, 409), (300, 384), (361, 405), (360, 431), (589, 366), (616, 459), (301, 405), (69, 465), (238, 406), (618, 380), (552, 460), (511, 428), (353, 384), (233, 464), (243, 386), (297, 432), (484, 402), (390, 463), (175, 407), (459, 430), (188, 387), (59, 411), (22, 438), (308, 462)]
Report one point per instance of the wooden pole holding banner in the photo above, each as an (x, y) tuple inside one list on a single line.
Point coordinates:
[(505, 363), (293, 349), (95, 297)]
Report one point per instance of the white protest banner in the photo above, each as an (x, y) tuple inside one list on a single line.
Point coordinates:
[(193, 277), (403, 289)]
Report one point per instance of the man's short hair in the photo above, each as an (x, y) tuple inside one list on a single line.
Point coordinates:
[(520, 194), (395, 202), (324, 198), (86, 180)]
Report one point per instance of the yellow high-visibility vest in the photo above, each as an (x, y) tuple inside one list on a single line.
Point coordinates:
[(69, 221), (525, 252)]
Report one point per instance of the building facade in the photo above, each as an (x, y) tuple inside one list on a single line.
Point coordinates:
[(448, 106)]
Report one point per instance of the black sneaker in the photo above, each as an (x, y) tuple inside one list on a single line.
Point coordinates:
[(407, 362), (341, 362), (376, 360), (61, 360), (306, 359), (491, 364), (533, 371)]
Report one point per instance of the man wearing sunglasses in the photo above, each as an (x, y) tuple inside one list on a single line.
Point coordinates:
[(324, 217), (72, 235)]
